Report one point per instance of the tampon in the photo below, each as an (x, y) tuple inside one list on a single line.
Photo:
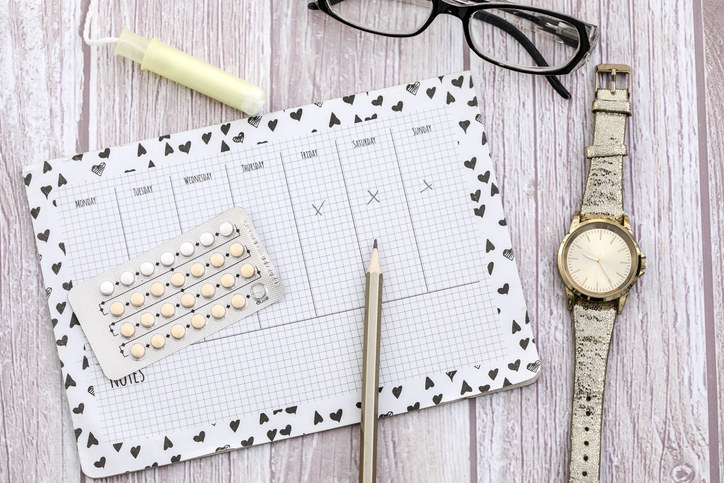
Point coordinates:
[(190, 72)]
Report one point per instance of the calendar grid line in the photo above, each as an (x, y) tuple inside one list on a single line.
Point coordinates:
[(120, 218), (346, 189)]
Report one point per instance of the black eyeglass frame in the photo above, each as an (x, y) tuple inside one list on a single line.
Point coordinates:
[(465, 13)]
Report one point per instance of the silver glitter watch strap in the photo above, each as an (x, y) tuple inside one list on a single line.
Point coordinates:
[(593, 325), (604, 187)]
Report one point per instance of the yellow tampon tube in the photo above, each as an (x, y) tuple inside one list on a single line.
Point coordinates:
[(190, 72)]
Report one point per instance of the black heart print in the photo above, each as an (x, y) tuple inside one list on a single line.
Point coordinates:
[(77, 432), (79, 409), (493, 373), (271, 434), (47, 167), (167, 443), (458, 82), (117, 446), (176, 459), (46, 190), (28, 177), (317, 418), (224, 146), (484, 177), (234, 425), (135, 450), (184, 148), (296, 115), (429, 383), (471, 162), (437, 399), (78, 157), (516, 327), (141, 150), (100, 463), (225, 127), (336, 416), (61, 180), (430, 92), (464, 125), (493, 189), (377, 102), (524, 343), (475, 196), (465, 388), (91, 440), (272, 125), (165, 136), (206, 137), (239, 138), (451, 374), (69, 382), (450, 99), (397, 107), (504, 289), (105, 153), (480, 211), (168, 150), (473, 102), (286, 431), (490, 268), (291, 410), (414, 407), (56, 267), (247, 442), (348, 99), (199, 438), (484, 388), (489, 247), (60, 307), (333, 120), (62, 341), (263, 418), (513, 366), (34, 213)]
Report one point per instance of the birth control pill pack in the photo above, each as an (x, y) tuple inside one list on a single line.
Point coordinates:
[(176, 294)]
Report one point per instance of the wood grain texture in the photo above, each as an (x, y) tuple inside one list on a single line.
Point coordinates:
[(712, 157), (59, 96)]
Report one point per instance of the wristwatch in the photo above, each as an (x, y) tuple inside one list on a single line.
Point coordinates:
[(599, 261)]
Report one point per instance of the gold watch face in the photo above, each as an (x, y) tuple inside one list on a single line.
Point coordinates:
[(599, 259)]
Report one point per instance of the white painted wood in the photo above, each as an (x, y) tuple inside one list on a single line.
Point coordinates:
[(59, 97)]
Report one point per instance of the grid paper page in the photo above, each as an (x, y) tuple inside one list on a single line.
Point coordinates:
[(317, 202)]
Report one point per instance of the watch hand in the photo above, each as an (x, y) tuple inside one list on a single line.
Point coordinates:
[(590, 257), (608, 276)]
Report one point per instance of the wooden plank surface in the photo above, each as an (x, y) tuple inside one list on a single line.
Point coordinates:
[(59, 96)]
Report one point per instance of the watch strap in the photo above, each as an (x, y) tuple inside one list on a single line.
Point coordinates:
[(593, 325), (603, 195)]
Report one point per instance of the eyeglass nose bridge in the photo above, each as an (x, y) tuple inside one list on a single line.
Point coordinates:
[(456, 8)]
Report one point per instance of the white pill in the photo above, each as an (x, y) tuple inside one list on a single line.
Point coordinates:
[(206, 239), (247, 270), (147, 268), (178, 279), (217, 260), (138, 351), (227, 280), (157, 289), (236, 250), (167, 259), (226, 228), (198, 321), (188, 300), (117, 309), (178, 331), (127, 278), (238, 301), (197, 270), (148, 319), (127, 330), (167, 310), (187, 249), (158, 341), (218, 311), (107, 288)]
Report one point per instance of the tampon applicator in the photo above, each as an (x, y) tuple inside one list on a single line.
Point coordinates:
[(191, 72)]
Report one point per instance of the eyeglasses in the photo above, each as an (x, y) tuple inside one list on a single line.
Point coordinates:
[(520, 38)]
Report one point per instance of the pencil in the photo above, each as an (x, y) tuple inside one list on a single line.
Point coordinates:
[(370, 369)]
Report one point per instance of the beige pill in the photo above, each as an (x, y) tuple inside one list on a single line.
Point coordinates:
[(236, 250), (247, 270), (198, 321), (137, 299), (158, 341), (238, 301), (157, 289), (178, 331), (227, 280), (208, 290), (217, 260), (148, 319), (178, 279), (117, 309), (138, 351), (167, 310), (218, 311), (197, 270), (188, 300), (127, 330)]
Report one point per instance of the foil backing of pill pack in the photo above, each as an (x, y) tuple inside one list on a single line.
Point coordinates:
[(176, 294)]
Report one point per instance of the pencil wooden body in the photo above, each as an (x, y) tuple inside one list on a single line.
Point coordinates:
[(370, 371)]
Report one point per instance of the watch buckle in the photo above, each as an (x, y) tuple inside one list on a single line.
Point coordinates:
[(613, 70)]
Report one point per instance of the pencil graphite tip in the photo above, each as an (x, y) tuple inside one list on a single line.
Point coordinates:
[(374, 245)]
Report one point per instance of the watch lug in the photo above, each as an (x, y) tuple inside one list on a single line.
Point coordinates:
[(627, 223), (571, 298), (621, 302), (575, 221)]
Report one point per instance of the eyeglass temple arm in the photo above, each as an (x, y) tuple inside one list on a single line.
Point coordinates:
[(523, 40)]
